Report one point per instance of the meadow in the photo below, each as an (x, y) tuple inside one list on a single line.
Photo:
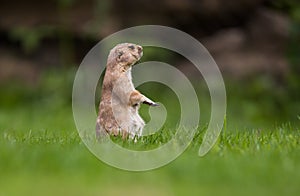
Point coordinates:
[(257, 153)]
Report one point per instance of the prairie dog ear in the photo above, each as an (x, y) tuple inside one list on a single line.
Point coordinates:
[(119, 54)]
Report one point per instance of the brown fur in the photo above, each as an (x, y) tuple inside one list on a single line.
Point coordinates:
[(118, 109)]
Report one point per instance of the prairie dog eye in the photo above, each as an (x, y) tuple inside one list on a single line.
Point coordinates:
[(131, 47)]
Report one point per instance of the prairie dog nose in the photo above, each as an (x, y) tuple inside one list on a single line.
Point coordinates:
[(140, 49)]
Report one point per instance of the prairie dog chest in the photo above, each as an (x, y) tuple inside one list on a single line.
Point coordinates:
[(124, 86)]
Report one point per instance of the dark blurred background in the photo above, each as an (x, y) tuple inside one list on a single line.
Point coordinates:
[(256, 43)]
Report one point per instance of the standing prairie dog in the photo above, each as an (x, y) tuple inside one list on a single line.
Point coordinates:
[(120, 101)]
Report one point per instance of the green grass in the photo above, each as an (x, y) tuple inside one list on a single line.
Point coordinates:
[(250, 162), (42, 154)]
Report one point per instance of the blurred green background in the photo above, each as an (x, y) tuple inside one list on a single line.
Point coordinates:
[(256, 44)]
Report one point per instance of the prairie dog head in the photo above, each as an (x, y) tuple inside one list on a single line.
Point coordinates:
[(125, 55)]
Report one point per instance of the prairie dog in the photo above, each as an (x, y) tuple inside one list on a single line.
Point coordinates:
[(120, 101)]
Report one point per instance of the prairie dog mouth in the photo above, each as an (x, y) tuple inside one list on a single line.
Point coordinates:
[(137, 57)]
